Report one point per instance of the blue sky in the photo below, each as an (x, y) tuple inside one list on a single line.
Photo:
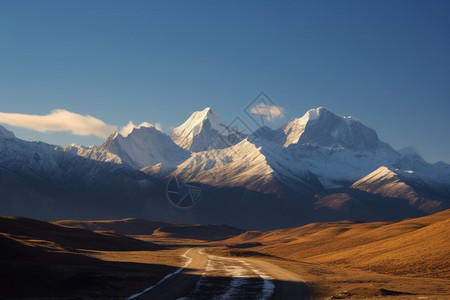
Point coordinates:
[(386, 63)]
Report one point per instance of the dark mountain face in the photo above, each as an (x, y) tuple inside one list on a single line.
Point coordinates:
[(45, 181), (321, 127), (330, 130), (319, 167)]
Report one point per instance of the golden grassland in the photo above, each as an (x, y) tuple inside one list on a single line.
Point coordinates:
[(359, 260), (408, 259), (413, 247), (170, 257)]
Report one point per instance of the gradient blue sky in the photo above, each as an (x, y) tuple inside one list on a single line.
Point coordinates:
[(386, 63)]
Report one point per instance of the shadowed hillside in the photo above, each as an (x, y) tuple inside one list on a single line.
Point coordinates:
[(137, 227), (38, 233), (43, 260)]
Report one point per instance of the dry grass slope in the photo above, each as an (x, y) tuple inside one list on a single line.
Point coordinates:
[(137, 228), (413, 247)]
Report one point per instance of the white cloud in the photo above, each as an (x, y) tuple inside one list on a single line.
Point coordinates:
[(127, 129), (270, 112), (60, 120)]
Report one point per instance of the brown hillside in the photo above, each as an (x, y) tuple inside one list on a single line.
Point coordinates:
[(137, 227), (40, 260), (37, 233), (128, 226), (414, 247)]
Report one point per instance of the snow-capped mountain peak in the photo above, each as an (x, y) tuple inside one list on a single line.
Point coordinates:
[(145, 146), (315, 113), (127, 129), (203, 130), (322, 127), (197, 120), (208, 115), (296, 128), (271, 174)]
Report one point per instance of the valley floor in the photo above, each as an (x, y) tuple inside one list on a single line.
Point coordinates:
[(302, 280), (44, 260)]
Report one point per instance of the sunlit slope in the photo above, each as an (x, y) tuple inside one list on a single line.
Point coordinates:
[(418, 247)]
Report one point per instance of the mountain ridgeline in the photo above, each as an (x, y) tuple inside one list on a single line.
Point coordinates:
[(319, 167)]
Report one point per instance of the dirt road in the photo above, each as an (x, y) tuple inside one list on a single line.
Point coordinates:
[(206, 276)]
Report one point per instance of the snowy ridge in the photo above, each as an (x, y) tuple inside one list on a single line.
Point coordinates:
[(387, 183), (322, 127), (393, 184), (320, 150), (319, 153), (203, 130), (295, 129), (144, 147), (242, 165)]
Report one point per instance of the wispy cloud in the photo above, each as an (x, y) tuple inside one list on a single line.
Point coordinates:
[(59, 120), (63, 120), (127, 129), (270, 112)]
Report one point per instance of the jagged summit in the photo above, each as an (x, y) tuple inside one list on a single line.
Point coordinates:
[(315, 113), (142, 132), (127, 129), (203, 130), (322, 127), (296, 128), (197, 119), (271, 174)]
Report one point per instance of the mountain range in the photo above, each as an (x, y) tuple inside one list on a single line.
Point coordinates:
[(319, 167)]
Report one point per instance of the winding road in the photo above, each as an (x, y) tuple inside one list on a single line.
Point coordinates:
[(206, 276)]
